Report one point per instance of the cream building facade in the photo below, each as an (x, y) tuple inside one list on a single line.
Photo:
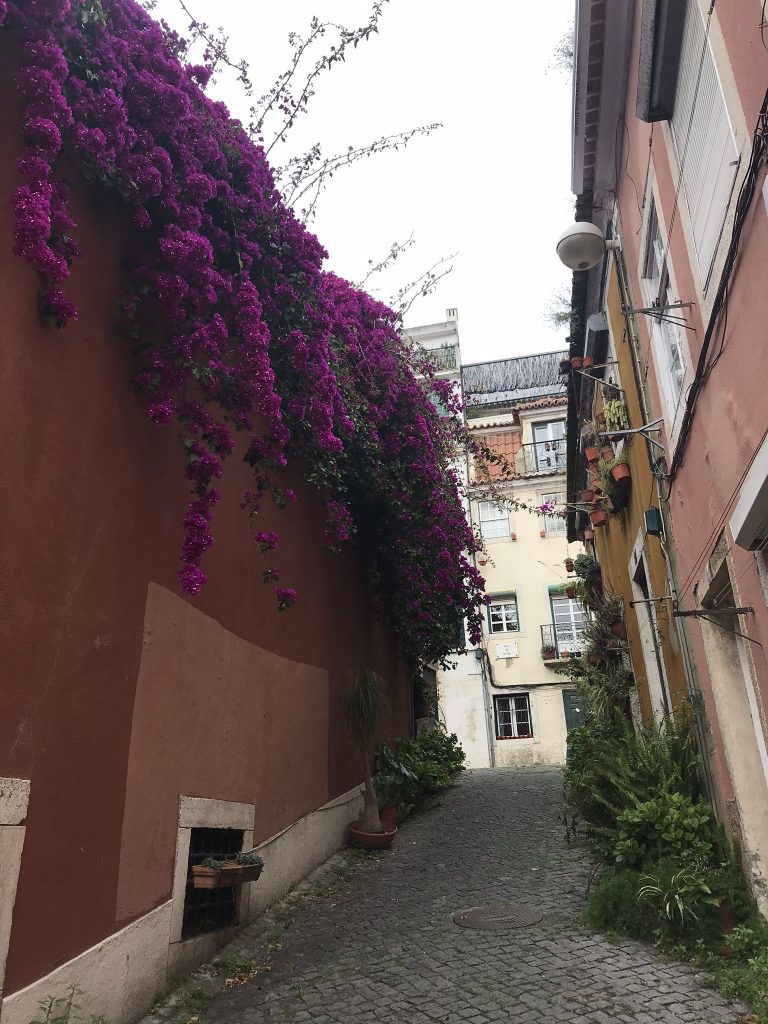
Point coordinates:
[(504, 698)]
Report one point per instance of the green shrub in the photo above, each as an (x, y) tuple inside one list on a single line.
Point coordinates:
[(396, 780), (683, 901), (668, 826), (436, 758), (611, 768), (613, 905)]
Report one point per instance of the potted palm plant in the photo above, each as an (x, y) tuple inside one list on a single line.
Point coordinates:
[(365, 708)]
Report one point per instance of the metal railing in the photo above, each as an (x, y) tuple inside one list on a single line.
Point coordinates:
[(560, 640), (541, 457)]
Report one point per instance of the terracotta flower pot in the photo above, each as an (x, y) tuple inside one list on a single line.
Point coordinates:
[(569, 565), (570, 592), (621, 474), (372, 840), (576, 362), (250, 872), (548, 653), (600, 417), (216, 878), (565, 655), (591, 454), (542, 533), (588, 496), (589, 535), (607, 454), (588, 361), (565, 365), (619, 630), (598, 518), (388, 815)]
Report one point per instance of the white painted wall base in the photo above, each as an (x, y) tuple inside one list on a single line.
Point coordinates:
[(122, 974)]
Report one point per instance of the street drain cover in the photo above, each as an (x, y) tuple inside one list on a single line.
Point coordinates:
[(498, 916)]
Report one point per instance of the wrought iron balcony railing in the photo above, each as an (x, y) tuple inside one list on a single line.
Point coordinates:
[(541, 457), (559, 640)]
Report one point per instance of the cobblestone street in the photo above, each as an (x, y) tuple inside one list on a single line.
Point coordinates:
[(387, 948)]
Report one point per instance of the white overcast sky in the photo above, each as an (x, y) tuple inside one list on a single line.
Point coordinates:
[(492, 185)]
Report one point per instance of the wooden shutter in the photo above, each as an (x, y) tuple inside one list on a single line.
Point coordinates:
[(704, 140)]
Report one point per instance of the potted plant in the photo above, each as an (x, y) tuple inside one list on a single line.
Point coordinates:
[(598, 517), (607, 454), (570, 592), (568, 565), (548, 652), (587, 496), (396, 783), (576, 362), (216, 874), (587, 362), (621, 474), (616, 418), (365, 708), (589, 535), (565, 365), (252, 866)]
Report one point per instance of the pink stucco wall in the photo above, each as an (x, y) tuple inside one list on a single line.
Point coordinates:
[(732, 413)]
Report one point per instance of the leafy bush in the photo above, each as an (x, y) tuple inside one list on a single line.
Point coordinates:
[(586, 567), (396, 780), (613, 905), (669, 825), (682, 897), (436, 757), (612, 768)]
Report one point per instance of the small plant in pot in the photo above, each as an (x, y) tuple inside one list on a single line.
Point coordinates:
[(396, 783), (568, 565), (252, 865), (548, 652), (213, 873), (365, 708), (621, 474)]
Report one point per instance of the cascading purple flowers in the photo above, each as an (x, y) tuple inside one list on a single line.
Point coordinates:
[(233, 323)]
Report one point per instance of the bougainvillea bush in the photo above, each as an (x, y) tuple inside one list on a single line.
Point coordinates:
[(233, 322)]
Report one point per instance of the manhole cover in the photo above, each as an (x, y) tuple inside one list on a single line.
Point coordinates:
[(498, 916)]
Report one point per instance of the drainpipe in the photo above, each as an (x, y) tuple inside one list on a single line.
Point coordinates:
[(482, 656)]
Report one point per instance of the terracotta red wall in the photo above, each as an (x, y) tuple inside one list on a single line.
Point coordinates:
[(91, 517), (731, 417)]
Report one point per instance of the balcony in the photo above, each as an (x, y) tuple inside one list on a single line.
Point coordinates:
[(541, 457), (559, 641)]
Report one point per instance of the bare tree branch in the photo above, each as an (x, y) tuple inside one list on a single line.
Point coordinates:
[(421, 286), (395, 250)]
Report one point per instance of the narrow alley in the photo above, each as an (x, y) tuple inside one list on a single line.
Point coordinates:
[(387, 947)]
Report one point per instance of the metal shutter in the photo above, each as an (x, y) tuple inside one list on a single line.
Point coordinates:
[(706, 147)]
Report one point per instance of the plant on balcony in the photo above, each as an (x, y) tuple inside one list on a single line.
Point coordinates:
[(615, 412), (621, 474), (611, 614), (590, 432), (548, 652)]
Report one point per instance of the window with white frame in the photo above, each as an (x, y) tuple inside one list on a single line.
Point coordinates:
[(494, 519), (666, 335), (569, 622), (549, 442), (554, 524), (704, 140), (513, 716), (502, 615)]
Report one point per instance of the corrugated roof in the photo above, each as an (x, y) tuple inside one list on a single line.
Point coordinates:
[(512, 380)]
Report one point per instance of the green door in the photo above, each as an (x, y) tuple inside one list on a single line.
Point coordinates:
[(574, 710)]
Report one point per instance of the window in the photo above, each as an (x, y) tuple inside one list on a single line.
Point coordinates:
[(665, 334), (553, 524), (502, 616), (208, 910), (704, 140), (513, 716), (568, 620), (549, 441), (494, 519)]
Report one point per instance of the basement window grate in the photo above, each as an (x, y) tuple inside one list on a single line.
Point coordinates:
[(208, 910)]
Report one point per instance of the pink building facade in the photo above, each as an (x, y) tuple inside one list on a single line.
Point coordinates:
[(669, 159)]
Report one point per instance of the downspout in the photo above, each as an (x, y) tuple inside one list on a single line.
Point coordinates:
[(487, 709)]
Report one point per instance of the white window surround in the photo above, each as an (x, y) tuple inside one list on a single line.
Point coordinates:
[(553, 524), (749, 520), (512, 716), (704, 141), (503, 614), (669, 347), (200, 812), (494, 520)]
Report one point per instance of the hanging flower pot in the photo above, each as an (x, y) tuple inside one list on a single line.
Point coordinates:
[(586, 496), (569, 565), (600, 417), (619, 630), (565, 365), (598, 517), (607, 454), (570, 592), (591, 453), (589, 535), (565, 655), (576, 362), (621, 474), (588, 361), (221, 876)]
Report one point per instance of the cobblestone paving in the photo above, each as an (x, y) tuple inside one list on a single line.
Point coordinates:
[(386, 949)]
